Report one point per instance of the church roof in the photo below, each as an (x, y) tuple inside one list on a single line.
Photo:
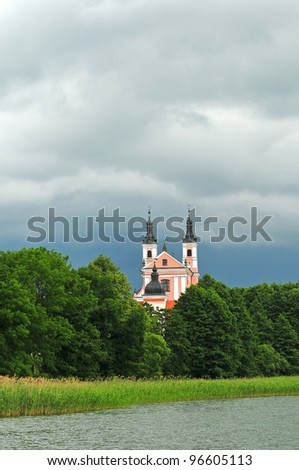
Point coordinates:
[(154, 287), (172, 262)]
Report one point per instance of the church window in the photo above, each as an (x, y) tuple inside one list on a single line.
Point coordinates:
[(164, 262), (166, 285), (149, 254), (189, 252)]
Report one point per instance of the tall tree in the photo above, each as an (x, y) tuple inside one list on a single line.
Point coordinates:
[(248, 335), (287, 344), (61, 303), (177, 338), (15, 312), (211, 332), (119, 319)]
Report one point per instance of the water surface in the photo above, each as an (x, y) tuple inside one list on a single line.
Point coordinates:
[(248, 423)]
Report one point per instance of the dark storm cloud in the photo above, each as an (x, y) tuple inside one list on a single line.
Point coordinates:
[(163, 101)]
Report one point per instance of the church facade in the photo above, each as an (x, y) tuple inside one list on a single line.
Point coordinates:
[(164, 278)]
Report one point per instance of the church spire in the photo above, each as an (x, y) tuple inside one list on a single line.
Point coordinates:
[(149, 237), (189, 237)]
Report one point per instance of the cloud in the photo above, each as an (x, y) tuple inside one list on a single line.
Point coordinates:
[(161, 102), (109, 181)]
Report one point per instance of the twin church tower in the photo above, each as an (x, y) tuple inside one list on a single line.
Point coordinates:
[(164, 278)]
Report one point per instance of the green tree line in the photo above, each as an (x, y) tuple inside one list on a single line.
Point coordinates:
[(214, 331), (57, 321)]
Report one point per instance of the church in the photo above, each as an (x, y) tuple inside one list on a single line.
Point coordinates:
[(164, 278)]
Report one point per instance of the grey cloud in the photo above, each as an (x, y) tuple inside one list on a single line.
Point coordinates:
[(201, 98), (164, 51)]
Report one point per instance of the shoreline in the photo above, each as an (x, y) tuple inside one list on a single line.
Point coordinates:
[(39, 396)]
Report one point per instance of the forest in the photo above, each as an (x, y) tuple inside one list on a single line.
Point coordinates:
[(57, 321)]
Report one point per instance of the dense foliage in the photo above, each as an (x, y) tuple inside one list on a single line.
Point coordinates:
[(56, 321), (215, 331)]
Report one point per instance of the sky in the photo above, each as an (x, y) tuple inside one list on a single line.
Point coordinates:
[(125, 104)]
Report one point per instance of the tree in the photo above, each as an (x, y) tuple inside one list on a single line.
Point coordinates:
[(155, 355), (287, 344), (119, 319), (176, 336), (258, 300), (15, 309), (248, 335), (274, 310), (211, 332), (57, 321), (58, 314), (269, 362), (292, 313)]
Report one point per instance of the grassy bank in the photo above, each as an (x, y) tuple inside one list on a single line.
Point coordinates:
[(41, 396)]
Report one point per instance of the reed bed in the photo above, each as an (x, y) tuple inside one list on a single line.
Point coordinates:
[(27, 396)]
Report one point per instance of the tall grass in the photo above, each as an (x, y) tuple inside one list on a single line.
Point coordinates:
[(43, 396)]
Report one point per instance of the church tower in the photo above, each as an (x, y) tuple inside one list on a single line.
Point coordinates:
[(149, 244), (189, 245)]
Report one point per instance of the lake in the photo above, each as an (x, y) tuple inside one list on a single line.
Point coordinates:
[(247, 423)]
